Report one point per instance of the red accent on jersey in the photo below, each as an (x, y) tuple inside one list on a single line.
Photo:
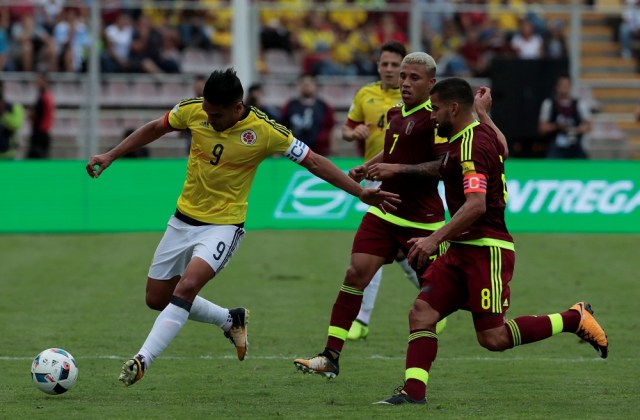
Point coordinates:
[(166, 121), (475, 183), (352, 124)]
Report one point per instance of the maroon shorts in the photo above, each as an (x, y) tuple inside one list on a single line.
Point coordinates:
[(475, 278), (376, 236)]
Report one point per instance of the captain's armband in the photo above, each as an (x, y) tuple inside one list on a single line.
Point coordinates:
[(297, 151), (475, 183)]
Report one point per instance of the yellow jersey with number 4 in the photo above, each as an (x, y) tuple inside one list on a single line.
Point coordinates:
[(369, 107)]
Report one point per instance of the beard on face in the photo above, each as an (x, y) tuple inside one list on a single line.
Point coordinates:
[(445, 129)]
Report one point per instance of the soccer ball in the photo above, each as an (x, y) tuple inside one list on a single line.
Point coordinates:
[(54, 371)]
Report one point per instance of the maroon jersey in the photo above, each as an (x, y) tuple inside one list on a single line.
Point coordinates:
[(476, 150), (410, 139)]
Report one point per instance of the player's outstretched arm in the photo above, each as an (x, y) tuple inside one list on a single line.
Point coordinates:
[(482, 106), (144, 135), (325, 169)]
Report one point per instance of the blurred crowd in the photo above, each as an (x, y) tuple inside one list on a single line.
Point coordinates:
[(343, 42), (138, 36)]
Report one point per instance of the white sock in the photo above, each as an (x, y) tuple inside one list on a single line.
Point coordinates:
[(206, 311), (167, 325), (408, 271), (369, 298)]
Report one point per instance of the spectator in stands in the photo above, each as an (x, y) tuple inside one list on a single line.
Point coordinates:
[(341, 60), (310, 118), (219, 21), (534, 14), (4, 38), (474, 53), (151, 52), (629, 27), (275, 36), (347, 19), (73, 39), (254, 98), (555, 43), (316, 41), (192, 29), (526, 43), (564, 120), (445, 50), (11, 120), (364, 46), (18, 10), (472, 18), (433, 18), (42, 116), (279, 25), (495, 40), (506, 13), (110, 10), (117, 40), (47, 13), (32, 45), (389, 30)]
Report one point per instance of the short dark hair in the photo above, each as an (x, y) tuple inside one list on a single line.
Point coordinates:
[(223, 87), (454, 89), (393, 47)]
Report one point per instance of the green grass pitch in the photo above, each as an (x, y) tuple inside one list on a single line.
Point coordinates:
[(85, 293)]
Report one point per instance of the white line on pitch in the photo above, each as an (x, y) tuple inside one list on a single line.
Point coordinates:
[(373, 357)]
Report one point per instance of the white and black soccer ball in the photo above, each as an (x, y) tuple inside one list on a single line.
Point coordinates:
[(54, 371)]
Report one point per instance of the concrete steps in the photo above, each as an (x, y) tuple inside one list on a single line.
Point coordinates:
[(614, 84)]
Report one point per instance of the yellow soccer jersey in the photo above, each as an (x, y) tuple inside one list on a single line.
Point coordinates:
[(222, 165), (370, 106)]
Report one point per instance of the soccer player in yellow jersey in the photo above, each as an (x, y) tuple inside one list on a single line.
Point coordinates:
[(366, 123), (229, 140), (366, 120)]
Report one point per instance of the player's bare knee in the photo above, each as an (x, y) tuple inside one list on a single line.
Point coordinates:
[(355, 278), (422, 316)]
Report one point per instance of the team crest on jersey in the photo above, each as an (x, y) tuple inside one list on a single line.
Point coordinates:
[(248, 137), (409, 128), (204, 124)]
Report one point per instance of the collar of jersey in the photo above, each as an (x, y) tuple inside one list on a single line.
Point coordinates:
[(426, 105), (461, 132), (245, 114)]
